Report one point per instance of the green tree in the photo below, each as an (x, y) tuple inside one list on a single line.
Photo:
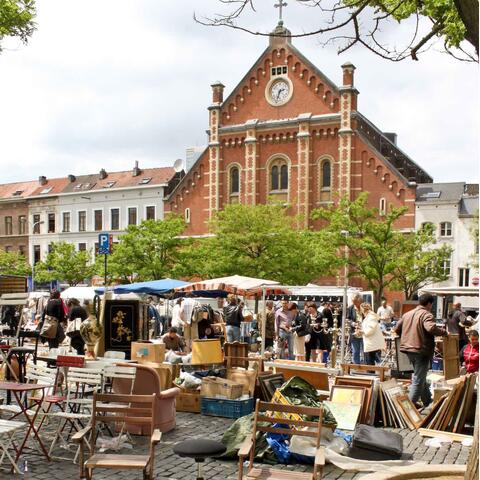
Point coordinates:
[(261, 241), (65, 264), (13, 263), (17, 19), (419, 264), (374, 245), (364, 22), (149, 251)]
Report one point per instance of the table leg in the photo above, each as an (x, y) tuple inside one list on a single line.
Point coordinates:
[(31, 422)]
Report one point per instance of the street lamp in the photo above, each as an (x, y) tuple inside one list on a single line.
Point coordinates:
[(39, 222), (345, 234)]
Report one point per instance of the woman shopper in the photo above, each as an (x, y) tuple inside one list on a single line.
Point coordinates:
[(469, 355), (54, 313), (317, 344), (76, 315), (300, 331), (373, 339)]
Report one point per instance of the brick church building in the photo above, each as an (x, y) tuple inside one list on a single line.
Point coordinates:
[(286, 133)]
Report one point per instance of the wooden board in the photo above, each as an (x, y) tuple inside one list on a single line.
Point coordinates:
[(451, 361), (317, 379)]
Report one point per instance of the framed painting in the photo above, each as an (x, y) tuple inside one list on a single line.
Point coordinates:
[(347, 394), (409, 410)]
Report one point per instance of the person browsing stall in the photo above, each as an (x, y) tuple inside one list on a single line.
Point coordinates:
[(354, 318), (173, 341), (417, 330), (300, 330), (283, 328), (233, 318), (385, 312), (373, 340), (469, 355), (270, 325)]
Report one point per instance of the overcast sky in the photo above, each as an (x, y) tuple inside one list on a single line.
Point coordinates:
[(103, 83)]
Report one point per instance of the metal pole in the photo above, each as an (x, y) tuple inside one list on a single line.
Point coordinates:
[(344, 308), (105, 283), (264, 320)]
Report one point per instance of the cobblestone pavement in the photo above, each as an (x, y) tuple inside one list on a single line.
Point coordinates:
[(170, 466)]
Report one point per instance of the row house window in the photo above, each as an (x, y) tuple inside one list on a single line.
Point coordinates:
[(82, 247), (463, 277), (132, 215), (36, 254), (36, 223), (66, 221), (98, 220), (8, 226), (115, 219), (51, 223), (82, 221), (445, 229), (22, 225), (150, 212)]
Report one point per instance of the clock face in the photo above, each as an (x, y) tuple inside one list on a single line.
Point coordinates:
[(279, 92)]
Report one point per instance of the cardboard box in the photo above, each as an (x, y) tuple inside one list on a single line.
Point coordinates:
[(215, 387), (206, 351), (246, 378), (144, 352), (188, 402), (164, 373)]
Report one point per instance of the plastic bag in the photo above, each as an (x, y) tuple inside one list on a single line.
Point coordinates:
[(437, 442), (115, 443), (189, 381), (279, 443)]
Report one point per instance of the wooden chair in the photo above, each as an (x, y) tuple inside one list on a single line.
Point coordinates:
[(117, 409), (272, 413)]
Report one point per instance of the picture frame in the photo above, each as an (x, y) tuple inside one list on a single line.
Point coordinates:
[(347, 394), (409, 411)]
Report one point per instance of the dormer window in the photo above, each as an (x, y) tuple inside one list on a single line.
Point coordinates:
[(282, 70), (110, 184), (46, 190), (16, 193), (144, 181), (78, 187)]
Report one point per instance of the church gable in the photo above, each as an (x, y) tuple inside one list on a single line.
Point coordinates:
[(281, 84)]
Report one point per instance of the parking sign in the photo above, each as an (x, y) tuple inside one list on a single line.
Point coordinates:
[(104, 244)]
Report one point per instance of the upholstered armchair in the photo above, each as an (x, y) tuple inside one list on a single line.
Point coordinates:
[(147, 382)]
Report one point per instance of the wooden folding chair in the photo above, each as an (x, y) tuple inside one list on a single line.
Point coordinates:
[(272, 413), (8, 429), (117, 409)]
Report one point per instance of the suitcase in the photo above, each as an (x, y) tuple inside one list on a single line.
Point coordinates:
[(370, 443)]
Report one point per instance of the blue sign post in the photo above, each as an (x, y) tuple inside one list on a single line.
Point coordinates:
[(105, 248)]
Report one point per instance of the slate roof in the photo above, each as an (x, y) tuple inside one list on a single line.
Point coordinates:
[(440, 192)]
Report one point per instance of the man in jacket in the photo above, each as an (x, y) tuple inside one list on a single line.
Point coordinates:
[(417, 330), (456, 324), (233, 318)]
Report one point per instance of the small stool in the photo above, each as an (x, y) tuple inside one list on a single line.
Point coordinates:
[(199, 449)]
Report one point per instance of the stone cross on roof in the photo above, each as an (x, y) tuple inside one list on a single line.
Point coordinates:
[(280, 6)]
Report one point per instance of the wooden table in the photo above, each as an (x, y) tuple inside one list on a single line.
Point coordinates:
[(18, 389)]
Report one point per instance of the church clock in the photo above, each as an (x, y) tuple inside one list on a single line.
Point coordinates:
[(278, 91)]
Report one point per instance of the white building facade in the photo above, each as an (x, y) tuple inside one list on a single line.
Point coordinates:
[(80, 208), (452, 209)]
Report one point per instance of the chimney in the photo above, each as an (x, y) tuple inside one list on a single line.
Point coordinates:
[(217, 92), (391, 136), (348, 74), (71, 178), (103, 174), (136, 170), (42, 180)]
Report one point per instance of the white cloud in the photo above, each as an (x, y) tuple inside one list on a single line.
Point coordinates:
[(102, 84)]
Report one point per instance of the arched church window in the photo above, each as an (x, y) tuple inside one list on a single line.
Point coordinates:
[(234, 180), (279, 176), (274, 183), (325, 179), (284, 177), (326, 175)]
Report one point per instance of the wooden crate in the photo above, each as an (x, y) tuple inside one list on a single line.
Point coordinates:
[(188, 402)]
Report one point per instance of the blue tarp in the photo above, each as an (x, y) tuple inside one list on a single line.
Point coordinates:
[(154, 287)]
